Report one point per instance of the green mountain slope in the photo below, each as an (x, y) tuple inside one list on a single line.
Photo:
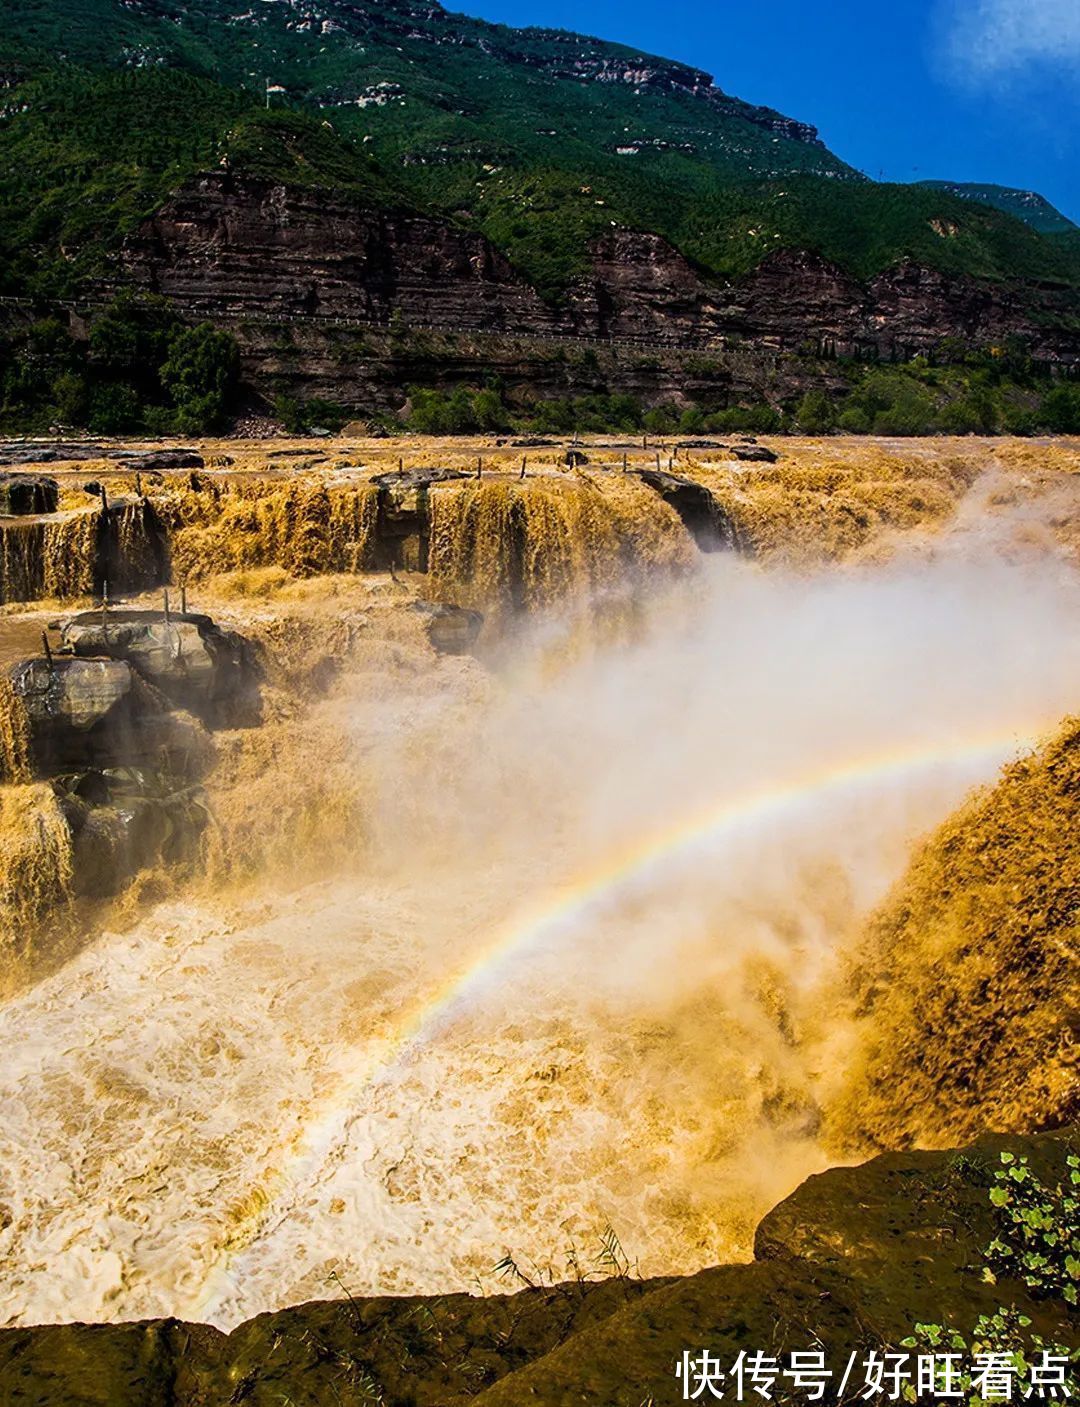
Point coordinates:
[(1025, 204), (540, 138), (1034, 209)]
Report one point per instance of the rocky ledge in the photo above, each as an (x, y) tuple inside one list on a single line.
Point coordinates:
[(116, 720), (848, 1264)]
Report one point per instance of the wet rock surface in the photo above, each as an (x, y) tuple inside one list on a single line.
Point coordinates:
[(147, 461), (98, 713), (404, 516), (702, 516), (452, 630), (122, 822), (197, 666), (117, 724), (754, 454), (403, 481), (16, 453), (22, 494), (49, 452), (850, 1262)]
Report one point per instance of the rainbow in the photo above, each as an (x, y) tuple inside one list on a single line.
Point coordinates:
[(586, 897)]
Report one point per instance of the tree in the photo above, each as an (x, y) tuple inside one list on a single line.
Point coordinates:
[(200, 375), (816, 414), (131, 339), (489, 411), (1060, 410)]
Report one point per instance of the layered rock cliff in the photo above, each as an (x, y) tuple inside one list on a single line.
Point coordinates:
[(227, 247)]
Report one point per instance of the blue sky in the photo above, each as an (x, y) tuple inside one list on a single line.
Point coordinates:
[(973, 90)]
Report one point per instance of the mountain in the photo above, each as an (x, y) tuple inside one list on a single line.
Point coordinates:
[(371, 195), (540, 139), (1034, 209)]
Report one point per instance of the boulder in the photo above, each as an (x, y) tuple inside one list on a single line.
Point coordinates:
[(574, 458), (25, 494), (197, 666), (404, 520), (754, 454), (702, 516), (452, 630), (144, 460), (50, 452), (401, 482), (87, 713), (121, 822), (846, 1266)]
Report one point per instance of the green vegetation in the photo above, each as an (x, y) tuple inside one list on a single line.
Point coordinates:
[(1003, 1339), (1039, 1237), (991, 393), (108, 105), (1037, 1243), (140, 369), (1028, 206)]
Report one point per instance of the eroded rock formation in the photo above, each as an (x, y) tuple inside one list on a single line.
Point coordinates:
[(115, 725), (235, 248)]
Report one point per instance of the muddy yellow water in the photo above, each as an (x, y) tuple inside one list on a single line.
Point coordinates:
[(551, 943)]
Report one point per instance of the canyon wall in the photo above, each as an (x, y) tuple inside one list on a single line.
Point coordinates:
[(260, 254)]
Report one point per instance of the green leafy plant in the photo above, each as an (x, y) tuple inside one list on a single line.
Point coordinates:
[(1004, 1334), (1038, 1240)]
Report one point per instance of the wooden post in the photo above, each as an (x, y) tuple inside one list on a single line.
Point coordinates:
[(644, 442), (479, 467), (624, 462), (522, 466), (166, 605), (183, 598), (400, 465), (138, 483), (48, 648), (104, 500), (658, 459)]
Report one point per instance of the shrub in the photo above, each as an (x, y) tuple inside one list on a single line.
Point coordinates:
[(115, 409), (761, 418), (1039, 1237), (969, 415), (854, 421)]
